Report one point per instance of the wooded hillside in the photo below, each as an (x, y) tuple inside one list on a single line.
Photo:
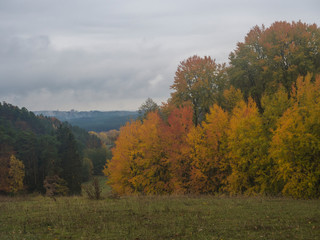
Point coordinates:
[(38, 150)]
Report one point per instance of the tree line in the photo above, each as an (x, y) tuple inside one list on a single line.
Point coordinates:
[(249, 127), (38, 153)]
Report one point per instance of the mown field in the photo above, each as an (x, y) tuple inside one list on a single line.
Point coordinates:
[(158, 217)]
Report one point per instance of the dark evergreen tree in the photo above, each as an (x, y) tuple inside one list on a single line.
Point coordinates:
[(70, 159), (49, 161), (26, 147)]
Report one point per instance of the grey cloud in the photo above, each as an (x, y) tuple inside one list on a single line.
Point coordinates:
[(114, 54)]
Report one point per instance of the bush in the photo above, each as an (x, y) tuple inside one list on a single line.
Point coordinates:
[(55, 186), (93, 190)]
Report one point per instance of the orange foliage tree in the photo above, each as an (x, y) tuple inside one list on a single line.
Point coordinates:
[(139, 163), (174, 138), (121, 168), (201, 82)]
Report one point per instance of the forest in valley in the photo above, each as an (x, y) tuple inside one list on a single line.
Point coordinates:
[(245, 128), (41, 154)]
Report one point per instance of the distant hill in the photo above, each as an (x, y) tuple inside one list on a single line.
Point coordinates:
[(97, 121)]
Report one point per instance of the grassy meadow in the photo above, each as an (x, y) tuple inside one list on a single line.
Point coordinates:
[(158, 217)]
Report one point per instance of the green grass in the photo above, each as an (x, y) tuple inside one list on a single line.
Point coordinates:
[(158, 217)]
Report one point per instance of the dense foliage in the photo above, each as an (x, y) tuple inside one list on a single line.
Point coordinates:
[(250, 128), (33, 148), (201, 82), (275, 55)]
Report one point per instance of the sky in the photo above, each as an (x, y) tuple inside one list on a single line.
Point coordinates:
[(113, 54)]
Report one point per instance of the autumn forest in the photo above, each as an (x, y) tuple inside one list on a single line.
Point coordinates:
[(247, 127), (250, 127)]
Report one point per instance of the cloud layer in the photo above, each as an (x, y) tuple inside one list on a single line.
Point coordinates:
[(112, 55)]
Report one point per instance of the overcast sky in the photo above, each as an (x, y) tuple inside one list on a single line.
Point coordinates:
[(114, 54)]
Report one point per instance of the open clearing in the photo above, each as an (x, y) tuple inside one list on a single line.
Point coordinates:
[(159, 217)]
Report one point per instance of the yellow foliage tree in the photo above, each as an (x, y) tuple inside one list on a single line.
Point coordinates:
[(295, 145), (247, 145), (153, 162), (16, 174), (208, 153), (274, 105), (231, 97)]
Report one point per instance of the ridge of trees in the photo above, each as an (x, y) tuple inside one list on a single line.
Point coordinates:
[(248, 128), (97, 121)]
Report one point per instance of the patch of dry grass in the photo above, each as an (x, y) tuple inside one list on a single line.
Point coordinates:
[(159, 217)]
